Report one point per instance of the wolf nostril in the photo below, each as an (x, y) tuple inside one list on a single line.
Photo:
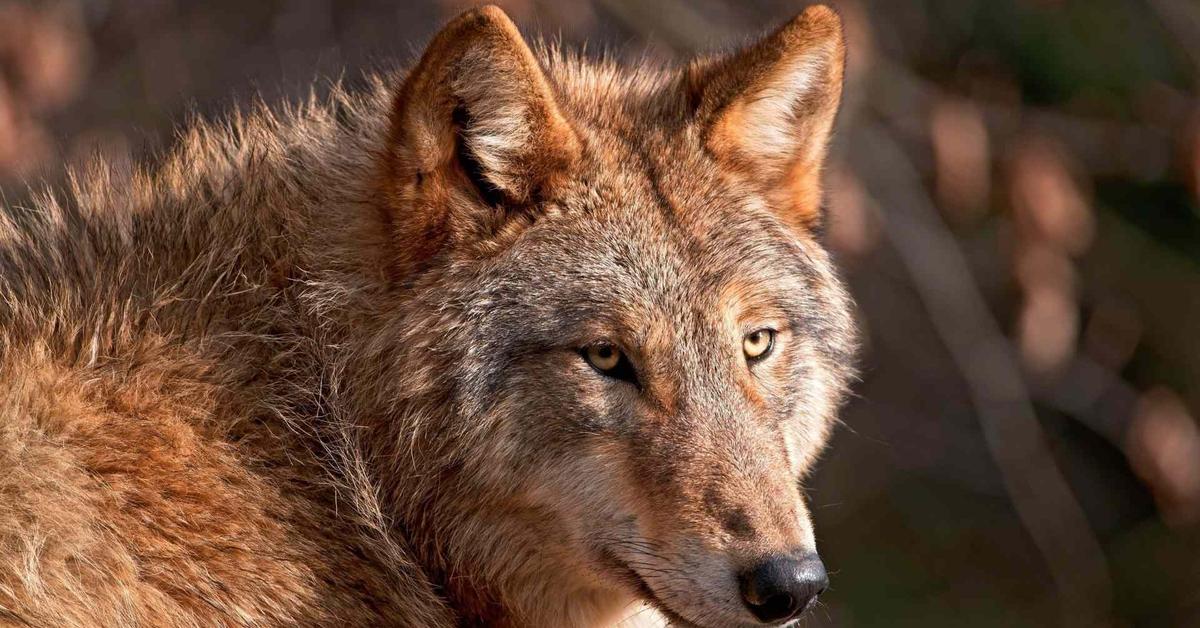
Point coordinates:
[(776, 607), (783, 586)]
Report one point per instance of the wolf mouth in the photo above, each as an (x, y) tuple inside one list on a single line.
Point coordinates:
[(635, 580), (643, 588)]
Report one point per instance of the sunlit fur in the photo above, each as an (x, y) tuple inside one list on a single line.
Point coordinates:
[(234, 395)]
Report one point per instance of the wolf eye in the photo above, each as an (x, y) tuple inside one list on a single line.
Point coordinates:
[(610, 361), (603, 356), (758, 344)]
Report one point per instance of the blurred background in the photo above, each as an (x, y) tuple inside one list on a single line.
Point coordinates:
[(1015, 199)]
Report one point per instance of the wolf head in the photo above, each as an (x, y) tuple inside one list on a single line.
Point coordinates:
[(621, 344)]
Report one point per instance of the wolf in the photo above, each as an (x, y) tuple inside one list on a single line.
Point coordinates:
[(514, 337)]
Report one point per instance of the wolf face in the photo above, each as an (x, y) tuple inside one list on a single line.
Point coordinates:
[(613, 279)]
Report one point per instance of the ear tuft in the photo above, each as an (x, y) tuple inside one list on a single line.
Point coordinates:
[(769, 109), (475, 132), (512, 127)]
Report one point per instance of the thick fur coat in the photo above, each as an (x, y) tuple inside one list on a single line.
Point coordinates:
[(336, 364)]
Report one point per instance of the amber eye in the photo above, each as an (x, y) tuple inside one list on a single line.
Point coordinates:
[(610, 362), (758, 343), (603, 356)]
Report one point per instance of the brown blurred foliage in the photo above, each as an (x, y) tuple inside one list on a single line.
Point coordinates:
[(43, 64)]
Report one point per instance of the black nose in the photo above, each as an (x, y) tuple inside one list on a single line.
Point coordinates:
[(783, 586)]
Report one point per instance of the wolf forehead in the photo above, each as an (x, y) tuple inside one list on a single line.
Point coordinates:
[(628, 266), (634, 240), (649, 207)]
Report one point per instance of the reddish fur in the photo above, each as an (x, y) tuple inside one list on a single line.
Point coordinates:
[(251, 386)]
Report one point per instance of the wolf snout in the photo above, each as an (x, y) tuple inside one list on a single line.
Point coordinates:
[(783, 586)]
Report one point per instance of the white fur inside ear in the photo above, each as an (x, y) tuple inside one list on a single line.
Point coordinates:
[(499, 133), (769, 111)]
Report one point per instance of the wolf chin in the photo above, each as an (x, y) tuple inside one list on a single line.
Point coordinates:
[(511, 338)]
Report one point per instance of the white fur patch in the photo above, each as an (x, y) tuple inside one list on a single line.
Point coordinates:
[(500, 132), (769, 111)]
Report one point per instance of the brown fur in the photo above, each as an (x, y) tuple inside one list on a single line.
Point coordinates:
[(321, 366)]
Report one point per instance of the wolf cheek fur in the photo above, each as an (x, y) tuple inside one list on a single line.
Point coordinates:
[(331, 366)]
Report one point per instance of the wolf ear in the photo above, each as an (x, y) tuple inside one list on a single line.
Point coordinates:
[(475, 112), (768, 110)]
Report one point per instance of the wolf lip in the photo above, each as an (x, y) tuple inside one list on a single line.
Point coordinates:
[(647, 592), (631, 577)]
